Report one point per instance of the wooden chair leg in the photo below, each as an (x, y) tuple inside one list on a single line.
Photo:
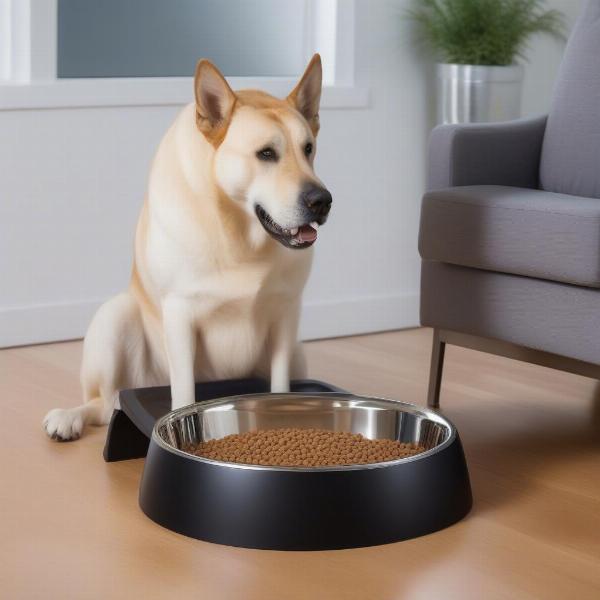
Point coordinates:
[(435, 372)]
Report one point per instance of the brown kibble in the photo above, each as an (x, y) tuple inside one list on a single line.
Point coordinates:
[(293, 447)]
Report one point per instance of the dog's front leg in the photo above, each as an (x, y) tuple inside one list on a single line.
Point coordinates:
[(180, 341), (283, 343)]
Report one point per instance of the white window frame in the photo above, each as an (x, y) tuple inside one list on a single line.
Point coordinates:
[(28, 64)]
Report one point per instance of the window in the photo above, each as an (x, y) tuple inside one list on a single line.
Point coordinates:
[(75, 53), (162, 38)]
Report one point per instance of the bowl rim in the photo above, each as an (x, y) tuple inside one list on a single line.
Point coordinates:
[(204, 405)]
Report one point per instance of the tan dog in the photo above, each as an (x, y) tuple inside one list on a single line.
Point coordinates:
[(222, 252)]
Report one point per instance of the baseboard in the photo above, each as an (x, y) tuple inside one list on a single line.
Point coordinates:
[(67, 321), (352, 316), (45, 323)]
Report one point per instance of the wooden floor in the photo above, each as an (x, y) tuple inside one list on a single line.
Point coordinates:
[(70, 526)]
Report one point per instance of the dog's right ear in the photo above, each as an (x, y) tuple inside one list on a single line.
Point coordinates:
[(306, 96), (215, 101)]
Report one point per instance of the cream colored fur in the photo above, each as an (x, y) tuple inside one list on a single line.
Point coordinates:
[(212, 296)]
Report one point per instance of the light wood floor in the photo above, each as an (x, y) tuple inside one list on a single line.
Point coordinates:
[(70, 526)]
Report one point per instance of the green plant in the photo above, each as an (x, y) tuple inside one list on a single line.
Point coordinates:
[(483, 32)]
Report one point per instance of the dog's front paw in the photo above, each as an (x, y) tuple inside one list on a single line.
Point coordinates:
[(63, 424)]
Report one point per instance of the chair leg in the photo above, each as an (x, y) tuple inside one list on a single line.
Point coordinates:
[(435, 372)]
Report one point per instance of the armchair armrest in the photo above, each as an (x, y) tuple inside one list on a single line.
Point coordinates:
[(486, 154)]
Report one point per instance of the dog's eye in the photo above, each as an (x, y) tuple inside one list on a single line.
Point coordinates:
[(308, 149), (267, 154)]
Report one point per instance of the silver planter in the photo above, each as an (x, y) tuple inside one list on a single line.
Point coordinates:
[(478, 93)]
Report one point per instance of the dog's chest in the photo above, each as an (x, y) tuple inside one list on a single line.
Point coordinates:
[(235, 304), (235, 311), (229, 346)]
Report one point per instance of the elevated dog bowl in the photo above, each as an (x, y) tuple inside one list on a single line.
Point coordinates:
[(293, 508)]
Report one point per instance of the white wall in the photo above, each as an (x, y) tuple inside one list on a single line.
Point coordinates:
[(73, 180)]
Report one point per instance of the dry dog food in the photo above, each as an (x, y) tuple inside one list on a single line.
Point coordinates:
[(292, 447)]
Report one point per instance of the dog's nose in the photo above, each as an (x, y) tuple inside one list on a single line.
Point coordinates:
[(318, 200)]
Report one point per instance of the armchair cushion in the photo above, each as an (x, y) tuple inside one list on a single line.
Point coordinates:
[(514, 230), (570, 162)]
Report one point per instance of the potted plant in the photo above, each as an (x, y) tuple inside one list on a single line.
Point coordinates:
[(477, 43)]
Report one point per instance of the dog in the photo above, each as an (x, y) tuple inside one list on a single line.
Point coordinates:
[(223, 249)]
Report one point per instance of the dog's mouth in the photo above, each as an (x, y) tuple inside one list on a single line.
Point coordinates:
[(297, 238)]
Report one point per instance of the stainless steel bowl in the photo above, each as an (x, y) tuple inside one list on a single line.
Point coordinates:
[(305, 508), (374, 418)]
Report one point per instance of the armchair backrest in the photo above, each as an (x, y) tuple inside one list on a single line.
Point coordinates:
[(570, 160)]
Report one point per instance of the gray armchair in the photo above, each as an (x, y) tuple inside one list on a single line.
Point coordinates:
[(510, 227)]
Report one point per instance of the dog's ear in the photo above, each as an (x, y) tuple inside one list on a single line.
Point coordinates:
[(215, 101), (306, 96)]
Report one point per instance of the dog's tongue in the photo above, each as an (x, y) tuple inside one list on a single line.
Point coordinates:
[(306, 234)]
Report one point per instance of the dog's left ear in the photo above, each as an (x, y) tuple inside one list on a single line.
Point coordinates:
[(306, 96), (215, 101)]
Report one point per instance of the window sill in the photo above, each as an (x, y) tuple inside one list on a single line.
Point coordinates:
[(152, 91)]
